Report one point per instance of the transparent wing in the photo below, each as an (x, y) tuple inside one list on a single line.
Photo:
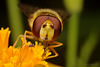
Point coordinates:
[(28, 10), (63, 14)]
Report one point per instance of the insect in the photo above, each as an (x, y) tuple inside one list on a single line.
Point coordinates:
[(46, 26)]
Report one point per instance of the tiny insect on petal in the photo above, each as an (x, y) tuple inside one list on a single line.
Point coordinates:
[(31, 45)]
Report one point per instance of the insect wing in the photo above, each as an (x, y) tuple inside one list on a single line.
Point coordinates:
[(63, 14), (28, 10)]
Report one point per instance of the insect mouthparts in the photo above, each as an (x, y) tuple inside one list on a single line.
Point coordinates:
[(48, 15), (46, 38)]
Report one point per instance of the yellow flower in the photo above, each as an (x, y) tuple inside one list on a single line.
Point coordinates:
[(21, 57)]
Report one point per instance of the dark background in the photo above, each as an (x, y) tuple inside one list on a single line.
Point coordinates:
[(90, 17)]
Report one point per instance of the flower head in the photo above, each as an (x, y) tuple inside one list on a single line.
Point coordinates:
[(21, 57)]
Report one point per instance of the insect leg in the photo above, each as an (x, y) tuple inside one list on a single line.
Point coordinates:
[(51, 47), (57, 44), (30, 36), (56, 54), (27, 36), (17, 40), (29, 33)]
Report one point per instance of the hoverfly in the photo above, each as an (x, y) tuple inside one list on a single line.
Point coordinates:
[(46, 26)]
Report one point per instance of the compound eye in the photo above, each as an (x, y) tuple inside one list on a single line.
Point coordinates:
[(56, 26), (37, 25)]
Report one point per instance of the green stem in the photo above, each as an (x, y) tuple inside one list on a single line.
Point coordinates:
[(72, 40), (15, 19), (88, 48)]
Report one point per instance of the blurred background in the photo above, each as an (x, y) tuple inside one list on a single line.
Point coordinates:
[(87, 34)]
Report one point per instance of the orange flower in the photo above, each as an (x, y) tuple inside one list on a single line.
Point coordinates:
[(21, 57)]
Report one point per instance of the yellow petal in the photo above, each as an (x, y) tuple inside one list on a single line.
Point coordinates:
[(4, 37), (5, 57), (24, 51), (1, 64), (8, 65), (10, 51)]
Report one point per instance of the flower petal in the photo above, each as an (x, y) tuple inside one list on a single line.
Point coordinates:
[(4, 38)]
